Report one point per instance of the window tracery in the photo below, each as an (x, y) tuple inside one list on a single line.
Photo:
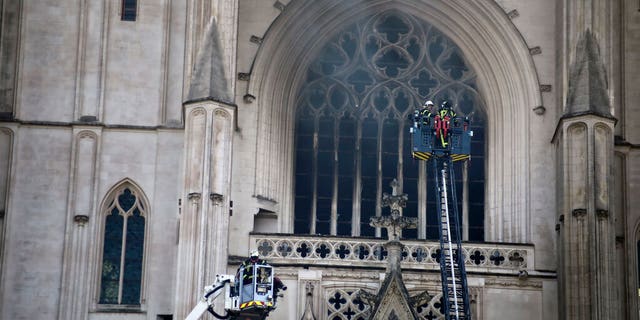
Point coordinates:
[(352, 135), (123, 248)]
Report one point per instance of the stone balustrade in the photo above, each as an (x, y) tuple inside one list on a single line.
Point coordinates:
[(495, 258)]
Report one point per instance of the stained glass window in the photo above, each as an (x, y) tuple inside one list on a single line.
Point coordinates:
[(123, 248), (352, 127)]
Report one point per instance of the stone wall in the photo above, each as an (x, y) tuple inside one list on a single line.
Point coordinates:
[(74, 66)]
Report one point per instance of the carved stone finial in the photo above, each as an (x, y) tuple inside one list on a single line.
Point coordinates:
[(395, 201), (395, 222)]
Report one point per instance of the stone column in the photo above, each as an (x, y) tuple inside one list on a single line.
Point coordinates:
[(204, 220), (79, 254), (586, 233)]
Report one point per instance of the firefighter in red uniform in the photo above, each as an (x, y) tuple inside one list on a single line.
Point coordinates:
[(443, 121)]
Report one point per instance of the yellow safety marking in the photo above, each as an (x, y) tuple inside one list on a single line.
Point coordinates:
[(251, 303), (421, 155), (458, 157)]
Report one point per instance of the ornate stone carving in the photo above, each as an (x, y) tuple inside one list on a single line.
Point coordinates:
[(602, 214), (279, 5), (308, 309), (539, 110), (579, 213), (535, 50), (255, 39), (249, 98), (394, 222), (81, 219), (416, 254), (216, 198)]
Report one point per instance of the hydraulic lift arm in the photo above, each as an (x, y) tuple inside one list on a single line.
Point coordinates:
[(210, 294)]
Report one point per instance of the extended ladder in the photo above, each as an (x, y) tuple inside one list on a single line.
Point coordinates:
[(443, 138), (455, 294)]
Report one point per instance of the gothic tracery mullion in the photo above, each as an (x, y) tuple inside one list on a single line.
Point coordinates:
[(380, 68), (357, 195), (378, 231), (336, 186), (314, 178)]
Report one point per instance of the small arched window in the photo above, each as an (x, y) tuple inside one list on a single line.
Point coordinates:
[(123, 247), (352, 127)]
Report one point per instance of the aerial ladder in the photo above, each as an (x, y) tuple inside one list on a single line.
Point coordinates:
[(243, 300), (443, 138)]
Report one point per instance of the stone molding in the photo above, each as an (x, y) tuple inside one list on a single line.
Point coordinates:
[(496, 41)]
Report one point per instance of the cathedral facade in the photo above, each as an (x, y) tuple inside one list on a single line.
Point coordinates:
[(148, 145)]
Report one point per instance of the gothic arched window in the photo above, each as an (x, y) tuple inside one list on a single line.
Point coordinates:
[(352, 127), (123, 247)]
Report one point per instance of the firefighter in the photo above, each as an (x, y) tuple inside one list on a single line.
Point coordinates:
[(248, 264), (247, 276), (426, 113), (443, 121)]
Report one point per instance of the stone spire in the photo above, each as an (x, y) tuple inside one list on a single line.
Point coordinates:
[(208, 81), (587, 80), (208, 141), (392, 300), (586, 232)]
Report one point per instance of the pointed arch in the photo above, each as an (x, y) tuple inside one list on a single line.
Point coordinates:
[(123, 225), (507, 83), (352, 130)]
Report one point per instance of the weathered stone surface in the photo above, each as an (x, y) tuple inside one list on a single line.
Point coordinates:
[(70, 66)]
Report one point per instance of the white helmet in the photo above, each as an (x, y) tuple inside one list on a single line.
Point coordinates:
[(254, 254), (428, 103)]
